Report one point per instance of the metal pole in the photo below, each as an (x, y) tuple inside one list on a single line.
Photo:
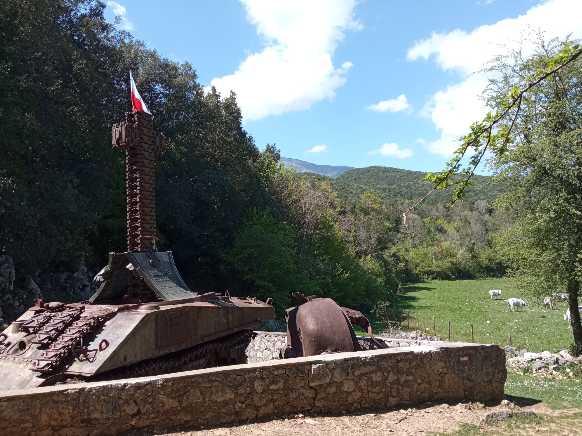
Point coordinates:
[(449, 330), (472, 334), (433, 326)]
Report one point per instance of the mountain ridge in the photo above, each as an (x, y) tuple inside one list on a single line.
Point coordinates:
[(303, 166), (391, 182)]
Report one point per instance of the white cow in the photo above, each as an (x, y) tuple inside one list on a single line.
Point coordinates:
[(548, 303), (516, 303), (567, 316), (494, 293), (560, 296)]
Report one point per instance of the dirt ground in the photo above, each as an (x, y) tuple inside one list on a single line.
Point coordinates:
[(435, 419)]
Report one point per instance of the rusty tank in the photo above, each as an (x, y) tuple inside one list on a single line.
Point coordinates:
[(320, 326), (142, 318)]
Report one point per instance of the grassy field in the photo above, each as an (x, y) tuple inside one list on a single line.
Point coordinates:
[(566, 424), (555, 393), (465, 302)]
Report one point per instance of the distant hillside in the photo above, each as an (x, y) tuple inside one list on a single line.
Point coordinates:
[(390, 183), (302, 166), (395, 183)]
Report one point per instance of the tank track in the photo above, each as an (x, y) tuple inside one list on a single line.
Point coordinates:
[(229, 350)]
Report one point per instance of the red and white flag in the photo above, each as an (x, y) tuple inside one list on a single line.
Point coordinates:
[(137, 103)]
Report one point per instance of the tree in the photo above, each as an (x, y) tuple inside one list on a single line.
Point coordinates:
[(264, 256), (534, 133), (59, 94)]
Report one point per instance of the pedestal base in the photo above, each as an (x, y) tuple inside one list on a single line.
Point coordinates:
[(141, 276)]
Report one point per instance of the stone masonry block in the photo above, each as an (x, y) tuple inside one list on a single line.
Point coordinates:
[(320, 374)]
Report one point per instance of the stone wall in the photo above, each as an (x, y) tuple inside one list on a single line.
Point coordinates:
[(327, 384)]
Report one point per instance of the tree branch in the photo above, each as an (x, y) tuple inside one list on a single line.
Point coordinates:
[(442, 181)]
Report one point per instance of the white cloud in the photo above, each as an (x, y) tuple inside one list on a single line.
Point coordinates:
[(454, 108), (318, 148), (295, 69), (120, 13), (392, 149), (397, 104), (452, 111)]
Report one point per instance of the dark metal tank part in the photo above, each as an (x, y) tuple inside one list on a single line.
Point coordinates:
[(142, 319), (320, 326)]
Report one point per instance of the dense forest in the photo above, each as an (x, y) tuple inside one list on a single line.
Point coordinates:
[(438, 240), (400, 184)]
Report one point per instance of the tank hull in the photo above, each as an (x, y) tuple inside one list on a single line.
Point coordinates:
[(48, 344)]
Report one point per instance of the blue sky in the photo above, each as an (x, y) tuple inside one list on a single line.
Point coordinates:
[(346, 82)]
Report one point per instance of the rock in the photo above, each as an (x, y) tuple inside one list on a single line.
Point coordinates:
[(265, 346), (547, 355), (528, 357), (348, 386), (503, 415), (508, 404), (538, 366), (33, 288), (516, 362), (81, 282), (566, 356), (320, 374), (13, 302), (545, 361)]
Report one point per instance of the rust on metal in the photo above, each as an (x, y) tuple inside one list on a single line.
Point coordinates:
[(142, 146), (142, 274), (52, 337), (319, 326), (358, 318)]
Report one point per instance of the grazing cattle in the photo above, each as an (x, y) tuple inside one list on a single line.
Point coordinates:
[(494, 293), (548, 303), (516, 303), (560, 296), (567, 316)]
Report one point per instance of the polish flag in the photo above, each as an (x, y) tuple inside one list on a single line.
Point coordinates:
[(137, 103)]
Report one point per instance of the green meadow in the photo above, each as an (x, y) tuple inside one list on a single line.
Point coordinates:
[(431, 305)]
